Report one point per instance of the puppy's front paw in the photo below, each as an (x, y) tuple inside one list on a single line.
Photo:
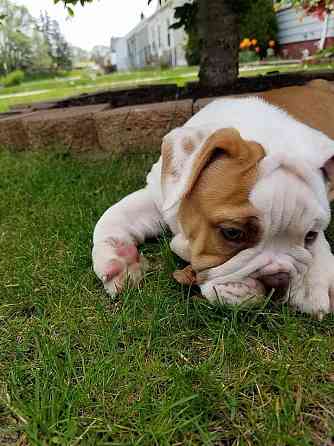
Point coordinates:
[(117, 264), (314, 299)]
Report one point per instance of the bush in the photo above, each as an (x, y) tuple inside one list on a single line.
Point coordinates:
[(193, 48), (12, 79), (165, 61), (259, 22), (248, 56), (326, 53)]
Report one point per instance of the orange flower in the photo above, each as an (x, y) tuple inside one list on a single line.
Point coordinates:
[(253, 42), (247, 43), (272, 43), (242, 46), (257, 49)]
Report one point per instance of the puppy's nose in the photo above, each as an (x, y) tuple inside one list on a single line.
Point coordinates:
[(279, 281)]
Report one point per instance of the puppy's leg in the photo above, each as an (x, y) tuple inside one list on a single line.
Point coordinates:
[(116, 236), (180, 246), (316, 295)]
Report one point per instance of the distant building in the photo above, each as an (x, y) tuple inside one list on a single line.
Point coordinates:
[(152, 42), (103, 57), (300, 35)]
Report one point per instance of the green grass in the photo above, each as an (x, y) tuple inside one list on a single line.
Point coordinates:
[(155, 366), (77, 82)]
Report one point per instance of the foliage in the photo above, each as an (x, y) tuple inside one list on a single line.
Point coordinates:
[(15, 42), (30, 45), (100, 55), (248, 56), (326, 52), (186, 16), (318, 8), (12, 79), (58, 49), (193, 48), (259, 22), (70, 3), (41, 61)]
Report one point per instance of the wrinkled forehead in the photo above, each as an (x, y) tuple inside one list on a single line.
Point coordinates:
[(290, 203)]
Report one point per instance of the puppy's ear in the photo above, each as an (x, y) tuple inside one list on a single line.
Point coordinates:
[(328, 170), (225, 142), (179, 148)]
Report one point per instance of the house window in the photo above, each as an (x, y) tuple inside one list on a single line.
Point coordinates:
[(159, 36), (168, 34)]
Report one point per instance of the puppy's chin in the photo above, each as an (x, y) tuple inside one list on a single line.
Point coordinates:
[(247, 291)]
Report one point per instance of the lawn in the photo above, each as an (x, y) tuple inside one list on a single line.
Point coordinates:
[(156, 366), (77, 82)]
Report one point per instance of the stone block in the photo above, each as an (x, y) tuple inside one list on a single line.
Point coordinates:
[(142, 127), (72, 128), (13, 134)]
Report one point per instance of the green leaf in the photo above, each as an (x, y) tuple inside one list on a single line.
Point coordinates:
[(70, 11)]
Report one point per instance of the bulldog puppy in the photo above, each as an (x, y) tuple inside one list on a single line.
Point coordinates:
[(245, 188)]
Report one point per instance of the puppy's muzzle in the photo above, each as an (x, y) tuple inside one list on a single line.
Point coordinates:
[(278, 281)]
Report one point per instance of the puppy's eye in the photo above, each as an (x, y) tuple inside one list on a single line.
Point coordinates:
[(233, 234), (310, 238)]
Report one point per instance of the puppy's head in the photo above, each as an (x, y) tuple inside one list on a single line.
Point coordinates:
[(250, 218), (215, 213)]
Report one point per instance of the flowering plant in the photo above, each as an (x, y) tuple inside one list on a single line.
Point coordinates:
[(318, 8), (253, 45), (247, 43)]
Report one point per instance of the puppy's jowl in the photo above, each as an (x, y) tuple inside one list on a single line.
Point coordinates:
[(245, 188)]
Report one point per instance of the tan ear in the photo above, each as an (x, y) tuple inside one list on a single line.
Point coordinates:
[(328, 169), (225, 142)]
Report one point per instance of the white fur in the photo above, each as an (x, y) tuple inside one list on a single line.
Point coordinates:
[(290, 195)]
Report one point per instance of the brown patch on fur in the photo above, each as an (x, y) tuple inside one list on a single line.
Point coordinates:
[(218, 196), (188, 144), (167, 168), (188, 141), (312, 104)]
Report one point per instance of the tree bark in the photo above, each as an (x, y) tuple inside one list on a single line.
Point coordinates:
[(219, 32)]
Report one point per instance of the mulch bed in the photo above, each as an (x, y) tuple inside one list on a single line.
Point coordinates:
[(171, 92)]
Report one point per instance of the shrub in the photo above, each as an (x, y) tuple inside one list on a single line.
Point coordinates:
[(259, 22), (248, 56), (165, 61), (14, 78), (193, 48), (326, 53)]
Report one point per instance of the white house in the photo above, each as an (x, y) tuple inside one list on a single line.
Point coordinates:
[(300, 35), (152, 42)]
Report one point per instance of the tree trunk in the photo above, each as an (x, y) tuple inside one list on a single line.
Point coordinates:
[(219, 32)]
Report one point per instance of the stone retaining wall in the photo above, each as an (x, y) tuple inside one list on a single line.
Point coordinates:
[(94, 128), (101, 128)]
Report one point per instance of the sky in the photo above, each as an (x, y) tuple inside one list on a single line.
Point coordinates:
[(94, 23)]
